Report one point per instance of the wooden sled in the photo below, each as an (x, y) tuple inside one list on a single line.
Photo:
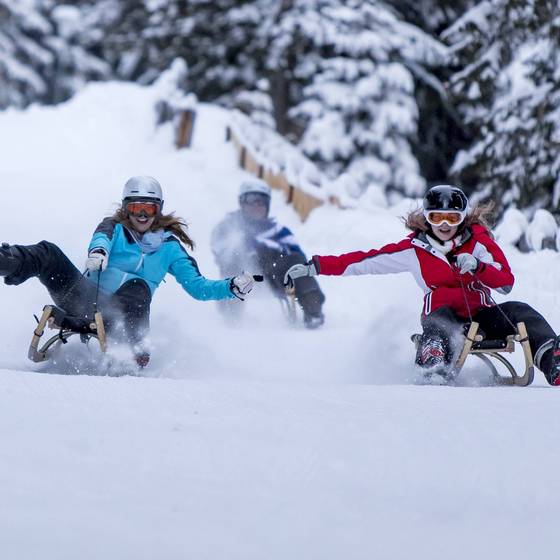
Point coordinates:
[(51, 317), (289, 305), (490, 351)]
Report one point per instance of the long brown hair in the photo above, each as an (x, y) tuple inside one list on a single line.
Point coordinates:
[(168, 222), (481, 214)]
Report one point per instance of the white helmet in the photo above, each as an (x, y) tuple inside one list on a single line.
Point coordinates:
[(144, 187), (254, 186)]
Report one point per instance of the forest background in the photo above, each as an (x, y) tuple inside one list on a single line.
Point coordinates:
[(388, 96)]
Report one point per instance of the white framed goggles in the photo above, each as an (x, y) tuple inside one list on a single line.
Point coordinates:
[(450, 217)]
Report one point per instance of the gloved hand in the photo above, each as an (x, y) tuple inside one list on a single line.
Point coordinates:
[(467, 263), (242, 285), (297, 271), (97, 260)]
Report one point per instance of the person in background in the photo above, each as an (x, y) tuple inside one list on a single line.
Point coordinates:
[(249, 238), (128, 257), (456, 262)]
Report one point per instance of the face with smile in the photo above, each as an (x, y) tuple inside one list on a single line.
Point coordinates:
[(142, 214), (141, 223), (445, 232)]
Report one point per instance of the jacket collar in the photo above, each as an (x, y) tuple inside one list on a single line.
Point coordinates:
[(422, 241)]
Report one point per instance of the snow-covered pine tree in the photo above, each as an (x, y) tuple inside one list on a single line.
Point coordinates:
[(214, 37), (42, 57), (433, 16), (507, 87), (441, 133), (24, 58), (76, 46), (346, 70)]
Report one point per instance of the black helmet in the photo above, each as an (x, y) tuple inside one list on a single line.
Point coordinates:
[(445, 198)]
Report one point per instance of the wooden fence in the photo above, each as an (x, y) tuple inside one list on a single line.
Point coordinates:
[(184, 128), (183, 122), (302, 202)]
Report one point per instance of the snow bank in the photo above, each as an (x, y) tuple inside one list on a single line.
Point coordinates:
[(260, 441)]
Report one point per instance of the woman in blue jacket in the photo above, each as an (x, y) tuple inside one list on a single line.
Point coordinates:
[(129, 255)]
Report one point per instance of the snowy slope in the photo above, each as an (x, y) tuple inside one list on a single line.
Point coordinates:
[(257, 442)]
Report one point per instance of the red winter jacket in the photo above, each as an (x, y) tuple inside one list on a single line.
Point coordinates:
[(440, 280)]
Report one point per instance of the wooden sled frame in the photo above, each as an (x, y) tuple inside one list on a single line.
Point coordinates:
[(289, 305), (37, 354), (475, 344)]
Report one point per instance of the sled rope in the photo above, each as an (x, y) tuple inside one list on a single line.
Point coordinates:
[(512, 325), (465, 298)]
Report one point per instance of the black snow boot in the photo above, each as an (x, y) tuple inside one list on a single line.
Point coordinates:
[(142, 358), (434, 357), (9, 261), (312, 304)]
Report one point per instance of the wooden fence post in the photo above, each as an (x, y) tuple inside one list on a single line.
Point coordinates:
[(185, 129)]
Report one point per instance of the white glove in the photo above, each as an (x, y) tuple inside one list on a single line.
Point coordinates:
[(467, 263), (97, 260), (242, 285), (297, 271)]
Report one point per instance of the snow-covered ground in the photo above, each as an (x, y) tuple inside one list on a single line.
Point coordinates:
[(259, 441)]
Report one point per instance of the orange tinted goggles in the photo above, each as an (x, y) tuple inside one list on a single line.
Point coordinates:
[(451, 218), (149, 209)]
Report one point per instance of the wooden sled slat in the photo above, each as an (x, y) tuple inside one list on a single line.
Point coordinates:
[(485, 353), (38, 355)]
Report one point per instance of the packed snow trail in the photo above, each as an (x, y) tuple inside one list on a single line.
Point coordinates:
[(259, 441)]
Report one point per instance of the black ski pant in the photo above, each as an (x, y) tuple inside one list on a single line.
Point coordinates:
[(126, 313), (496, 322), (274, 265)]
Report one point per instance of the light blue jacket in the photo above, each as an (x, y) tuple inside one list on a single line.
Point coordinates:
[(150, 258)]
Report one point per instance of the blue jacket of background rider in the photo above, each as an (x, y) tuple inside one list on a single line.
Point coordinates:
[(237, 240), (150, 257)]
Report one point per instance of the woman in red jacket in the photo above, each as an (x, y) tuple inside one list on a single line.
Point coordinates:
[(456, 262)]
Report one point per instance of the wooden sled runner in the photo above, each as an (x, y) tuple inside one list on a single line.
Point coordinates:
[(490, 351), (54, 318), (495, 349), (289, 305)]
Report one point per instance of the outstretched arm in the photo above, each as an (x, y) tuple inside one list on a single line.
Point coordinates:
[(187, 273), (395, 257), (392, 258)]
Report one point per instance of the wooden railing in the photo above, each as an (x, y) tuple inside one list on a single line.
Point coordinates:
[(303, 202), (184, 128), (183, 122)]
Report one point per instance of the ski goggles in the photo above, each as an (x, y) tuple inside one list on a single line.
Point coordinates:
[(149, 209), (255, 199), (450, 218)]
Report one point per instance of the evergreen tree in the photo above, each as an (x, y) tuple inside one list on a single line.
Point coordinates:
[(212, 36), (432, 16), (24, 58), (507, 88), (41, 56), (345, 71)]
